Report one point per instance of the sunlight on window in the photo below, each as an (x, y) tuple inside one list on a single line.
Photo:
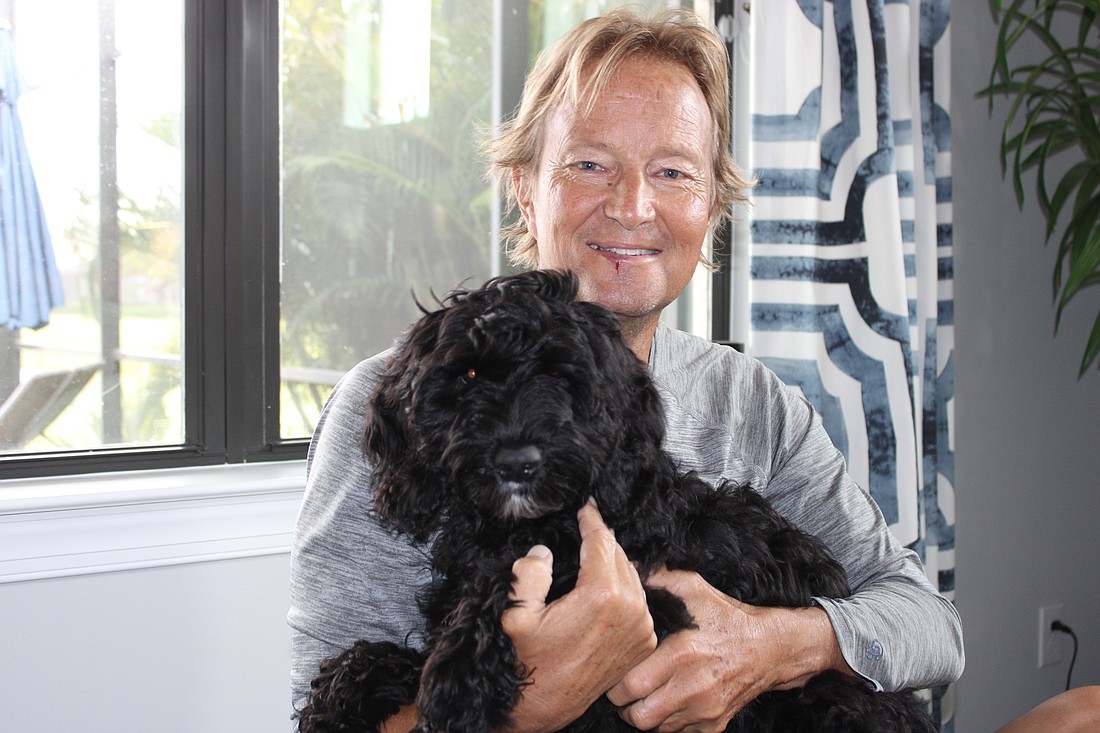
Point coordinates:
[(387, 67), (100, 102)]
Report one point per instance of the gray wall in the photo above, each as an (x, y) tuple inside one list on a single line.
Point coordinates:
[(1028, 432), (179, 649)]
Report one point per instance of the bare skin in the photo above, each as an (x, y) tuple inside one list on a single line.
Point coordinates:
[(693, 682), (623, 197), (1073, 711)]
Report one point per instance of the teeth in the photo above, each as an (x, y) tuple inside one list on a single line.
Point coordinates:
[(625, 252)]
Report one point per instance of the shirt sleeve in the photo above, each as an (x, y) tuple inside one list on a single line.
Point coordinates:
[(732, 418), (350, 577), (896, 630)]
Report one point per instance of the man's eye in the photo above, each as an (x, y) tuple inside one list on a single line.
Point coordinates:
[(587, 165), (671, 174)]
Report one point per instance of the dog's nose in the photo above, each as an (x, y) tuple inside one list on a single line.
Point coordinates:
[(518, 464)]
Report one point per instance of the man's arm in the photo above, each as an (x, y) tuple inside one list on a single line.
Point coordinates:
[(895, 630), (350, 577)]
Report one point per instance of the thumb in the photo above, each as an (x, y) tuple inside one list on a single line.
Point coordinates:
[(677, 582), (533, 574)]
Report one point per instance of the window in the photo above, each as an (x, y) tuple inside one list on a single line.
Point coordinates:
[(91, 296), (242, 200)]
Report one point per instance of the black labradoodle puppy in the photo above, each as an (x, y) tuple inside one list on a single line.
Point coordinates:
[(499, 415)]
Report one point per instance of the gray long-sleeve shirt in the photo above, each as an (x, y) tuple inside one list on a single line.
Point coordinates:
[(728, 417)]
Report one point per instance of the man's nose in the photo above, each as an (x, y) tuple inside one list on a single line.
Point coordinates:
[(630, 200)]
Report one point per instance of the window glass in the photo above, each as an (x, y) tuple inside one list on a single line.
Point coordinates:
[(384, 195), (90, 277)]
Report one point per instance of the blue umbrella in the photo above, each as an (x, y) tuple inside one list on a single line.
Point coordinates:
[(30, 284)]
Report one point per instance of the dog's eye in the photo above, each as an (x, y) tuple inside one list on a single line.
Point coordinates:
[(471, 375)]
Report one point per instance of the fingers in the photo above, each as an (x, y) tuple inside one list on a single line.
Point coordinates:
[(692, 681), (700, 677), (580, 644), (590, 520), (665, 693), (632, 689), (533, 574), (534, 571), (602, 559)]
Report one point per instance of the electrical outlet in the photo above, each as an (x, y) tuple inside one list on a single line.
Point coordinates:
[(1050, 646)]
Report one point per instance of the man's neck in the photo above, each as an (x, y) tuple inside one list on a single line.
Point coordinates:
[(638, 334)]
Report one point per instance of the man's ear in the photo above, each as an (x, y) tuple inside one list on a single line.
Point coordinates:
[(521, 183)]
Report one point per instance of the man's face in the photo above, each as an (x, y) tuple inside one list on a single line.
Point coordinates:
[(624, 195)]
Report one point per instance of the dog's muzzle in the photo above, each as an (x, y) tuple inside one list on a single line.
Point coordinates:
[(517, 471), (517, 464)]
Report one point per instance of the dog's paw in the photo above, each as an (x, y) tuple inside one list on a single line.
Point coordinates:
[(361, 688)]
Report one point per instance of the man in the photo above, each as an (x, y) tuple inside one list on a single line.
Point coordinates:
[(619, 165)]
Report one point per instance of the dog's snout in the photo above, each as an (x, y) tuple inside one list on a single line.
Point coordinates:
[(518, 464)]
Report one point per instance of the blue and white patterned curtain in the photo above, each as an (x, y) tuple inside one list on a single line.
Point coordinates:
[(851, 259)]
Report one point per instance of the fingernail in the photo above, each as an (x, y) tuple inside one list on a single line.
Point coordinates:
[(539, 551)]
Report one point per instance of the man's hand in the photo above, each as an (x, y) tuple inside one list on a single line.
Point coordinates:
[(581, 644), (698, 679)]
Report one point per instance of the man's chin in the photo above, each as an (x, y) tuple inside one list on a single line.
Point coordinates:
[(634, 316)]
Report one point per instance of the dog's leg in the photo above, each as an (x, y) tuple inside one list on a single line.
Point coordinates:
[(361, 688), (470, 681)]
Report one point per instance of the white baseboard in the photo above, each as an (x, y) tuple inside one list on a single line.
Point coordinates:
[(79, 525)]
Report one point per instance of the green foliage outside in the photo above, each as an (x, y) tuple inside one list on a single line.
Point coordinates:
[(374, 215)]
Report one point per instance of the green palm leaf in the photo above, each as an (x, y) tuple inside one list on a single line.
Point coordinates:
[(1054, 108)]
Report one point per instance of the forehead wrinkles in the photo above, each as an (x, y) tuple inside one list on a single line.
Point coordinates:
[(583, 83), (615, 124)]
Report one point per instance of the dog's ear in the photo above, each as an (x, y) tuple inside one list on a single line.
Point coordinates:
[(636, 405), (405, 496), (641, 401), (410, 500), (384, 439)]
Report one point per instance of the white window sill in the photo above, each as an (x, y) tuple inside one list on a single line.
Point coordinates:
[(79, 525)]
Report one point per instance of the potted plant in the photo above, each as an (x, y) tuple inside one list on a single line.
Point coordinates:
[(1055, 108)]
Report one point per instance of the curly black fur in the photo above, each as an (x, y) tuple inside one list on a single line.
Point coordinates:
[(500, 414)]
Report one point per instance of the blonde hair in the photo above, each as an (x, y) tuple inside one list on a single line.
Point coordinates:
[(578, 67)]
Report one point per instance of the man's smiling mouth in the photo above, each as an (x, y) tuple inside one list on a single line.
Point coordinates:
[(624, 252)]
